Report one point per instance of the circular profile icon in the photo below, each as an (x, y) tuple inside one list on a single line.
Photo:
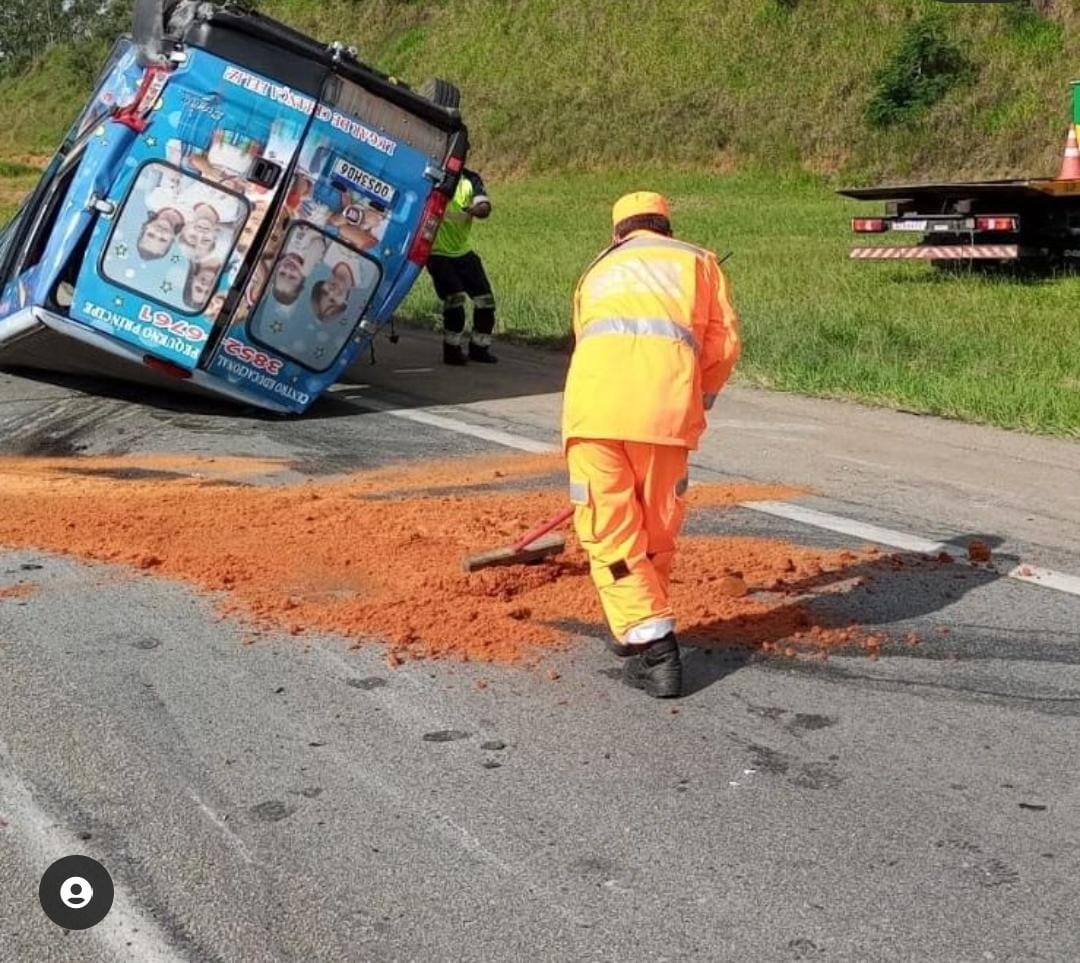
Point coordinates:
[(76, 892)]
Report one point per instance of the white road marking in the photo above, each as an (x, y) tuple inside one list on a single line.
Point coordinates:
[(1032, 574), (1024, 572), (847, 526), (126, 932), (1047, 578), (423, 416)]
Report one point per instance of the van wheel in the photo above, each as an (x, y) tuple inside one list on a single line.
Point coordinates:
[(179, 14), (441, 92)]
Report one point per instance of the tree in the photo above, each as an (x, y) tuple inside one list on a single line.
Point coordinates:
[(29, 27)]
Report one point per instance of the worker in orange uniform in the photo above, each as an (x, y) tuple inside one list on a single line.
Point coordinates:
[(656, 340)]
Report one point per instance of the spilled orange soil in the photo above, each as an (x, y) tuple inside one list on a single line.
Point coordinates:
[(22, 474), (18, 591), (377, 555)]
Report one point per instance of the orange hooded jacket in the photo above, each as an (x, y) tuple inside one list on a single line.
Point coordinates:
[(657, 339)]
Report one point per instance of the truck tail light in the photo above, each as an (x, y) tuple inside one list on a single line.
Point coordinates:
[(455, 164), (868, 225), (136, 115), (166, 368), (429, 227), (1008, 224)]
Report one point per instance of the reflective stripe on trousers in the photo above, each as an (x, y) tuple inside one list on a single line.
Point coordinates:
[(654, 327), (651, 631)]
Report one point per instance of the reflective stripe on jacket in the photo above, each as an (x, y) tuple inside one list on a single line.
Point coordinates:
[(656, 334)]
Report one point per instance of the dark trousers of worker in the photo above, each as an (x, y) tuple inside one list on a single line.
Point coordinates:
[(629, 509), (456, 280)]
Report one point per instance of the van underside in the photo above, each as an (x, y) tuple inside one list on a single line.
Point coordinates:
[(36, 340)]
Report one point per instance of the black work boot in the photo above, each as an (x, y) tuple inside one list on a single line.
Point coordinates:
[(656, 668), (481, 353), (453, 354), (618, 649)]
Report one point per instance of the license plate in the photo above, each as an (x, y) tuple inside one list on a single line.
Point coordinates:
[(362, 180), (909, 225)]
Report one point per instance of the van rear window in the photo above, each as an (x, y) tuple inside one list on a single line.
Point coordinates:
[(173, 238), (314, 297)]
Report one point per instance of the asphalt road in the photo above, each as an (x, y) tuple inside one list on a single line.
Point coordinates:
[(280, 801)]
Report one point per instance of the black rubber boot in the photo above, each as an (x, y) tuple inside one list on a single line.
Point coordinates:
[(453, 354), (481, 354), (618, 649), (657, 669)]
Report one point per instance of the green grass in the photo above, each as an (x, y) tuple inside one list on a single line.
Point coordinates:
[(12, 170), (999, 351), (13, 188), (690, 84)]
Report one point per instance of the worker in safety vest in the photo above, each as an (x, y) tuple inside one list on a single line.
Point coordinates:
[(656, 340), (458, 275)]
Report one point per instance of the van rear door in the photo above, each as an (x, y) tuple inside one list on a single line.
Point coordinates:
[(203, 171)]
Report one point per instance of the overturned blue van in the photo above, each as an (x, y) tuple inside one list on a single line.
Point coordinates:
[(236, 212)]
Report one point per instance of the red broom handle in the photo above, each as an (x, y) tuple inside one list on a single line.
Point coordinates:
[(543, 528)]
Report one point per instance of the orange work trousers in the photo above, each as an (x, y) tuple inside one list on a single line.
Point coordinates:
[(629, 508)]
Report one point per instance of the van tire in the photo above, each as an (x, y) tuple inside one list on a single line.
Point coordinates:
[(442, 93), (179, 15)]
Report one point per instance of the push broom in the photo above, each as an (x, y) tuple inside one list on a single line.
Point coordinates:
[(534, 546)]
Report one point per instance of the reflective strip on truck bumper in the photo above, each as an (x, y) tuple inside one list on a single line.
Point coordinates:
[(956, 252)]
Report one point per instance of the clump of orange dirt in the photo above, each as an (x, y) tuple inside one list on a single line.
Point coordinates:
[(376, 555), (23, 591)]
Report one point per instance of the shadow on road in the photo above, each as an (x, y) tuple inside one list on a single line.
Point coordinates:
[(411, 373), (875, 594), (408, 374)]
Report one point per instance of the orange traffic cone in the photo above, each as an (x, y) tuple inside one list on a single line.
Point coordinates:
[(1070, 163)]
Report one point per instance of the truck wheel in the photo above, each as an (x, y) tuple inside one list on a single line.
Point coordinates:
[(441, 92)]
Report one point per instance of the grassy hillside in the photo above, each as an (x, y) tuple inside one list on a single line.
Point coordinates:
[(592, 83), (551, 84)]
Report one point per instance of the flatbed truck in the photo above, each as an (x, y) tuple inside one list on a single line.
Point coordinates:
[(1034, 221)]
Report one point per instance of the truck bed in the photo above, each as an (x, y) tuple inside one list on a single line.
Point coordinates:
[(1024, 189)]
